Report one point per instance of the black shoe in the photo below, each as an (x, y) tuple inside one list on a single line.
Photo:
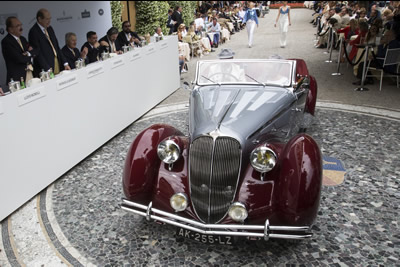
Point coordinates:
[(357, 82), (212, 50)]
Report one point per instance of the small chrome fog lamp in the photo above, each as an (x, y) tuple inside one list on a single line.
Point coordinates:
[(168, 151), (238, 212), (179, 202)]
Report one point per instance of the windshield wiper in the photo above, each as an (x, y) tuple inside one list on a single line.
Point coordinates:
[(263, 84), (210, 80)]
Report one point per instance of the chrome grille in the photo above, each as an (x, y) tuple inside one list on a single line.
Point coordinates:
[(216, 166)]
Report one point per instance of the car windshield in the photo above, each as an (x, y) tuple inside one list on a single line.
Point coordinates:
[(268, 72)]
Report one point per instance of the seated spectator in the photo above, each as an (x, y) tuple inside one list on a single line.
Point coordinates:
[(390, 40), (334, 22), (363, 30), (348, 32), (71, 53), (387, 17), (181, 32), (128, 37), (241, 13), (158, 32), (199, 22), (345, 18), (373, 16), (362, 14), (110, 43), (91, 48), (215, 28)]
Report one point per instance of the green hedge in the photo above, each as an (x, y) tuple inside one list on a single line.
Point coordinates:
[(116, 14), (151, 14)]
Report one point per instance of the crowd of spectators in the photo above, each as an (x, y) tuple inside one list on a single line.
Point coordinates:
[(26, 58), (374, 23), (215, 23)]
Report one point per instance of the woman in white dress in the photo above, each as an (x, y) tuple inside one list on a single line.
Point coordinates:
[(284, 22)]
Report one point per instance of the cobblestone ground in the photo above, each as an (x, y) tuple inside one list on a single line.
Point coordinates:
[(77, 220)]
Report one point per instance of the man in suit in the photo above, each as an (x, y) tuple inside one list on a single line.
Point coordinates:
[(43, 38), (91, 48), (16, 51), (169, 22), (109, 42), (71, 53), (128, 37), (177, 17)]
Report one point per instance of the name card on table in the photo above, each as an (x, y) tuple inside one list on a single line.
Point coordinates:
[(135, 55), (163, 44), (67, 81), (95, 71), (31, 95), (150, 49), (1, 108), (117, 61)]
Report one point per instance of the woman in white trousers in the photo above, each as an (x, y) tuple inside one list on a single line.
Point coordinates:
[(284, 22), (251, 20)]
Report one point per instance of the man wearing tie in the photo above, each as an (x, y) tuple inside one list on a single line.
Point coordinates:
[(71, 53), (109, 42), (127, 37), (16, 52), (43, 38), (91, 48)]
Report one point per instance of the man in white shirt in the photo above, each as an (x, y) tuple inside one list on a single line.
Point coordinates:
[(158, 32), (241, 13), (215, 28), (199, 22)]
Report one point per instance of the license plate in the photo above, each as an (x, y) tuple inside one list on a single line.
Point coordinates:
[(206, 239)]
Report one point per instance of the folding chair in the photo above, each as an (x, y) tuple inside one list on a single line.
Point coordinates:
[(391, 58)]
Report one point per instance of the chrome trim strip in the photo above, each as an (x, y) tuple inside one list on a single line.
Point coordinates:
[(228, 229)]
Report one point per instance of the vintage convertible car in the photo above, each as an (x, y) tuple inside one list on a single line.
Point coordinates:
[(247, 169)]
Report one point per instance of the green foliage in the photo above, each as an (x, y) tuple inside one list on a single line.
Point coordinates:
[(188, 10), (116, 14), (151, 14)]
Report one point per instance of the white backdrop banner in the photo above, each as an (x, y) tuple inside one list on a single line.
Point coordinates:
[(66, 16)]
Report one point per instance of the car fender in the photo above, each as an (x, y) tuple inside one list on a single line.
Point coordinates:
[(142, 162), (299, 184)]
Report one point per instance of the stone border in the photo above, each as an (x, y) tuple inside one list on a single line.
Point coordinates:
[(8, 243), (372, 111)]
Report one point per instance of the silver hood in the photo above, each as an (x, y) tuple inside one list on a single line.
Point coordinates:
[(236, 111)]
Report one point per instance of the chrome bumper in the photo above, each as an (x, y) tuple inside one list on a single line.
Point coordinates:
[(216, 229)]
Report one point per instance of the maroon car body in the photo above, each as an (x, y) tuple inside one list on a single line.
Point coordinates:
[(280, 203)]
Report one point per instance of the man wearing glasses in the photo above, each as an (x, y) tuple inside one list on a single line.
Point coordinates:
[(128, 37)]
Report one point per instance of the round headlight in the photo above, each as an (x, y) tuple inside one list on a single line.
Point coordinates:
[(263, 159), (238, 212), (168, 151), (179, 202)]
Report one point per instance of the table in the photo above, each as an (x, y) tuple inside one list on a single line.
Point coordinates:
[(49, 128)]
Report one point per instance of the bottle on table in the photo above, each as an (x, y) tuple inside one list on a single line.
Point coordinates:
[(22, 83)]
